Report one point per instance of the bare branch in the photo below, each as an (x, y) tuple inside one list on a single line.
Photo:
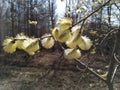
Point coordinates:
[(117, 6), (89, 69), (117, 60), (108, 35), (114, 72), (84, 18)]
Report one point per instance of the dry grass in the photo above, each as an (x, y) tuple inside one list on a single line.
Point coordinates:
[(44, 71)]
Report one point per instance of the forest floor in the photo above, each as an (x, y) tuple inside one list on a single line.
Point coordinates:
[(49, 71)]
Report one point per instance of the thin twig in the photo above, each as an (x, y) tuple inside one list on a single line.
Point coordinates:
[(87, 16), (87, 68), (14, 39), (93, 72), (117, 60), (82, 27), (84, 18), (108, 35), (114, 72), (112, 64), (117, 6)]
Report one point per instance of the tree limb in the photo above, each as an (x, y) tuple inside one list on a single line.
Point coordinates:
[(84, 18)]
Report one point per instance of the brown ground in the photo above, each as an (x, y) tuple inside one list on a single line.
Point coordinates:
[(47, 71)]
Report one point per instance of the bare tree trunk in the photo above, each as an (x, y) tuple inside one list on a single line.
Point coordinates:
[(93, 17), (109, 14), (100, 18), (51, 12), (28, 17), (12, 17), (18, 17), (118, 42)]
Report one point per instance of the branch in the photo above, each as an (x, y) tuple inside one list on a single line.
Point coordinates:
[(111, 70), (114, 72), (81, 31), (117, 60), (117, 6), (84, 18), (89, 69), (108, 35)]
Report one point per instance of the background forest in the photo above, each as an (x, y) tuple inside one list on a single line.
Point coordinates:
[(15, 14), (100, 21)]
